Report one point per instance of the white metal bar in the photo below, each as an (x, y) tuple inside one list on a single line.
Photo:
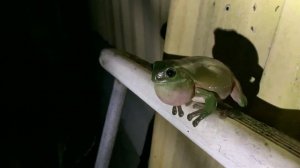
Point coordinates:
[(111, 125), (229, 142)]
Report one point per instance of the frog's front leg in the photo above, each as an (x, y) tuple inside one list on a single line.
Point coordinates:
[(209, 106), (178, 109)]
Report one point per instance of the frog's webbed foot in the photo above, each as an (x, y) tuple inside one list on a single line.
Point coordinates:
[(200, 114), (206, 109), (178, 109)]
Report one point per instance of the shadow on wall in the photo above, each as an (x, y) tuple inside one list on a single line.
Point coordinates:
[(240, 55)]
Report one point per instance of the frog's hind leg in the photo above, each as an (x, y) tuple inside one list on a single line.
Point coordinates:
[(209, 106), (238, 95), (178, 109)]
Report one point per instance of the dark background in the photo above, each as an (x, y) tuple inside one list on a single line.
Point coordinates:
[(54, 91)]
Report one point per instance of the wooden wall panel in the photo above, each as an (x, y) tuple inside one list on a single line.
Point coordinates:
[(280, 84), (192, 24), (132, 25)]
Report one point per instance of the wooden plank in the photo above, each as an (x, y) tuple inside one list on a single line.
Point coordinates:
[(280, 84), (102, 19), (118, 24), (132, 25), (127, 20), (228, 141), (192, 23), (170, 148), (138, 28)]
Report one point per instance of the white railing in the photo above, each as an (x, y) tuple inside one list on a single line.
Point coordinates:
[(242, 142)]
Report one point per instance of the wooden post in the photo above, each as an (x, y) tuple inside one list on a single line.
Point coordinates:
[(280, 84)]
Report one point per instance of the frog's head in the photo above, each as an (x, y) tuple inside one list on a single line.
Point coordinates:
[(172, 83), (164, 71)]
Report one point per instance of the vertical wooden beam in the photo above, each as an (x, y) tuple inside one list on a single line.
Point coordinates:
[(170, 148), (280, 84)]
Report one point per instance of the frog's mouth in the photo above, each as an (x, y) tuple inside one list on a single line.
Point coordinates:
[(170, 82)]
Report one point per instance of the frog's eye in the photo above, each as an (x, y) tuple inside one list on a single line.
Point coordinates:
[(170, 72)]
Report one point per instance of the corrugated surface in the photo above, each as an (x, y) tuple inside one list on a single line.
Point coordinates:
[(132, 25)]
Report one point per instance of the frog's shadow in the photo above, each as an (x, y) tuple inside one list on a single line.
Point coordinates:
[(240, 55)]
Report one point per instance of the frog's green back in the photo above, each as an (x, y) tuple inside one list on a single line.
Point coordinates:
[(209, 74)]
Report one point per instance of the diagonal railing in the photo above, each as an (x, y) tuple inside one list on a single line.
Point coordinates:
[(240, 142)]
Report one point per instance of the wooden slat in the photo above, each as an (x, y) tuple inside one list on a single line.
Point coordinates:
[(118, 24), (138, 27), (127, 20), (132, 25), (280, 84)]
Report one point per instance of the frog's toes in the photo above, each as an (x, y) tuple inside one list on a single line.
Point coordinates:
[(200, 114), (196, 122), (178, 109), (174, 110), (201, 117), (193, 114)]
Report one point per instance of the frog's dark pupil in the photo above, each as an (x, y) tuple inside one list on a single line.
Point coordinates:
[(171, 73)]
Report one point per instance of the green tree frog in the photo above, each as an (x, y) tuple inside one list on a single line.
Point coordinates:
[(182, 81)]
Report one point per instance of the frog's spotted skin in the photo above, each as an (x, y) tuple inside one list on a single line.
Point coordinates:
[(177, 82)]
